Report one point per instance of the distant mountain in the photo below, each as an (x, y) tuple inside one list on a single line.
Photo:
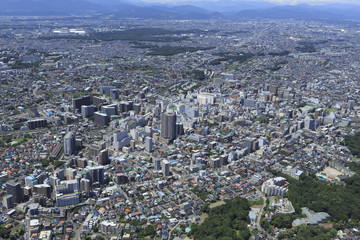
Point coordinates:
[(197, 10), (116, 8), (48, 7), (228, 6), (305, 12)]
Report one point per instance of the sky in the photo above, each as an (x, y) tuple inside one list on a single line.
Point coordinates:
[(313, 1), (287, 2)]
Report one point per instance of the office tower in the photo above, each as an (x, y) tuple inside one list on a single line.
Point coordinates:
[(70, 173), (132, 145), (126, 106), (36, 123), (106, 89), (137, 108), (215, 163), (8, 201), (42, 189), (41, 177), (273, 89), (98, 101), (30, 181), (121, 139), (69, 144), (351, 104), (101, 119), (179, 129), (60, 174), (168, 126), (165, 167), (249, 144), (85, 186), (15, 190), (148, 144), (103, 157), (223, 160), (157, 164), (78, 102), (109, 110), (87, 111), (114, 93), (96, 174), (122, 178), (310, 123), (94, 151)]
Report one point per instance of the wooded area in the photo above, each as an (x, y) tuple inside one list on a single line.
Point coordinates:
[(226, 222)]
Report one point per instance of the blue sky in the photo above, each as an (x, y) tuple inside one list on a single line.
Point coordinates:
[(291, 2)]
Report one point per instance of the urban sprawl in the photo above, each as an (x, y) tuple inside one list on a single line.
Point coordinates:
[(182, 129)]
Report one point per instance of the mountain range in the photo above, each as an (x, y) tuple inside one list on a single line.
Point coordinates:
[(195, 10)]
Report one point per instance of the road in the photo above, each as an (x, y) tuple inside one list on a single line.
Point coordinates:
[(78, 231), (258, 225), (169, 236)]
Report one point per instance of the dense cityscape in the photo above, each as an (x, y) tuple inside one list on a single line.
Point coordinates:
[(181, 129)]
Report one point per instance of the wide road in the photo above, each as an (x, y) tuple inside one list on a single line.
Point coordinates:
[(258, 225)]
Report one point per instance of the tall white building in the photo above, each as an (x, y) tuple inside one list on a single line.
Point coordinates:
[(148, 144), (165, 167), (121, 139), (206, 98), (69, 144)]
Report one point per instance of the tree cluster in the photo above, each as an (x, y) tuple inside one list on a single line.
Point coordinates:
[(341, 202), (308, 232), (228, 221), (353, 143)]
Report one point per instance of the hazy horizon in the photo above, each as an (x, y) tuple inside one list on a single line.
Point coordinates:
[(280, 2)]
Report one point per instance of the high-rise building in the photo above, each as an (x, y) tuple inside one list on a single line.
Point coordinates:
[(249, 144), (114, 93), (168, 126), (126, 106), (69, 144), (42, 189), (179, 129), (85, 186), (310, 123), (37, 123), (15, 190), (87, 111), (106, 89), (103, 157), (165, 167), (101, 119), (8, 201), (351, 104), (137, 108), (122, 178), (78, 102), (109, 110), (121, 139), (157, 164), (148, 144), (30, 181), (132, 145), (96, 174)]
